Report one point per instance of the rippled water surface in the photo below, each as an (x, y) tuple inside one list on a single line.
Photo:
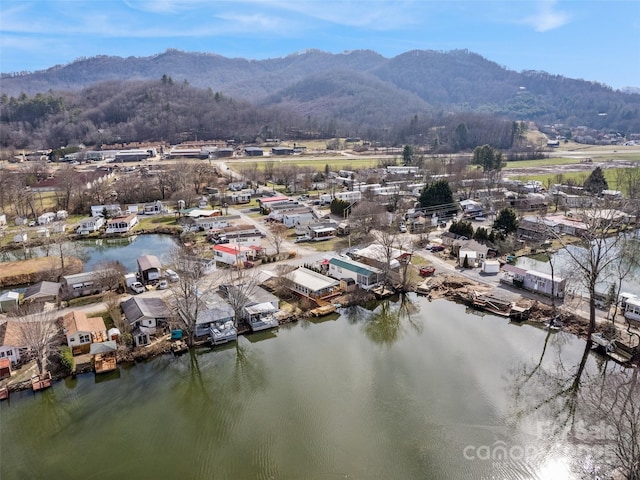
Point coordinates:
[(412, 390)]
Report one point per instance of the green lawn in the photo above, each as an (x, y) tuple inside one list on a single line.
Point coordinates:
[(610, 174)]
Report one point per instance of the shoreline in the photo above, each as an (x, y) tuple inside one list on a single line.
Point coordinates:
[(450, 287)]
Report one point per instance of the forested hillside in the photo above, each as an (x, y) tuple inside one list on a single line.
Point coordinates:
[(163, 110), (420, 97), (360, 84)]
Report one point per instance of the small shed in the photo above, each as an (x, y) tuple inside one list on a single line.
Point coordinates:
[(20, 237), (347, 285), (5, 368), (8, 301), (490, 266), (113, 334), (149, 267)]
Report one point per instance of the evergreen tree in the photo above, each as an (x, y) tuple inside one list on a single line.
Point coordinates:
[(462, 228), (507, 221), (481, 235), (407, 155), (596, 182), (489, 158), (437, 193)]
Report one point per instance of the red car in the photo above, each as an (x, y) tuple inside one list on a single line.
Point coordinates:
[(427, 271)]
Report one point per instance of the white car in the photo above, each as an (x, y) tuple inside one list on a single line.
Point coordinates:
[(137, 287), (171, 275), (163, 284)]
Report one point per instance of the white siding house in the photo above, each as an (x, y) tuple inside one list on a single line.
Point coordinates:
[(122, 224), (90, 225), (364, 275)]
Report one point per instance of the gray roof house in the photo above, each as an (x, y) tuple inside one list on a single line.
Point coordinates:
[(43, 292), (144, 315), (313, 284)]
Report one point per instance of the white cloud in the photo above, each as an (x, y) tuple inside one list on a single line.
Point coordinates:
[(547, 17)]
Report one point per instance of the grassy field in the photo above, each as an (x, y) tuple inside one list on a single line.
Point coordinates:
[(611, 175), (318, 164)]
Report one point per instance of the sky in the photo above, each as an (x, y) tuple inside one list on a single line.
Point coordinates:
[(596, 40)]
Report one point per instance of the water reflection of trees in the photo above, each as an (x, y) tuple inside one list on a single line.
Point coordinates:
[(388, 321), (592, 412)]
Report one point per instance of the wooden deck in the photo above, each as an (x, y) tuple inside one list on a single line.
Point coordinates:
[(40, 382), (105, 362), (179, 346), (4, 393)]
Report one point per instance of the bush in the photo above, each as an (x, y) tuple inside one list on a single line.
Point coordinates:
[(67, 360)]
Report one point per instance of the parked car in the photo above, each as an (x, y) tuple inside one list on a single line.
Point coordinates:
[(403, 228), (303, 238), (437, 248), (137, 287), (163, 284), (171, 275), (427, 271)]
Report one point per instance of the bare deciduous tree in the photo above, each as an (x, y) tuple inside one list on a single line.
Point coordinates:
[(239, 286), (192, 281), (37, 329), (276, 236)]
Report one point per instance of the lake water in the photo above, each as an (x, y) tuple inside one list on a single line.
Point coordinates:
[(413, 390), (95, 251)]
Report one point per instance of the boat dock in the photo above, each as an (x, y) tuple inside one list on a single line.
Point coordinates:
[(41, 381)]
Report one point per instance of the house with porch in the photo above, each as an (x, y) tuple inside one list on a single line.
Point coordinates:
[(12, 342), (322, 231), (81, 331), (213, 311), (376, 255), (233, 253), (146, 316), (534, 281), (85, 283), (260, 312), (475, 252), (154, 208), (122, 223), (314, 285), (90, 225), (364, 275)]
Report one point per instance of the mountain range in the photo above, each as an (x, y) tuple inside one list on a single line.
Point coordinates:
[(360, 86)]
